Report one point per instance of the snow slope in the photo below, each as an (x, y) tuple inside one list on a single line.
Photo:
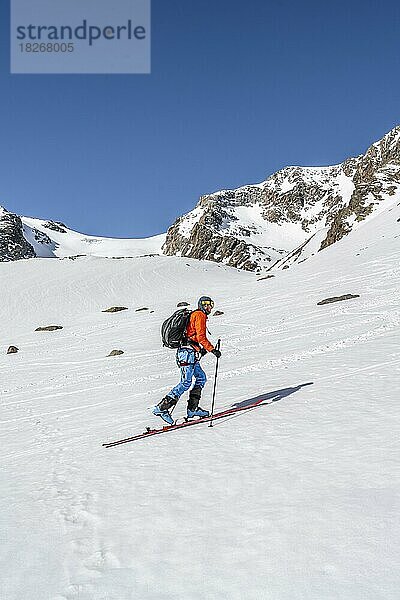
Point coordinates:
[(296, 500), (50, 243)]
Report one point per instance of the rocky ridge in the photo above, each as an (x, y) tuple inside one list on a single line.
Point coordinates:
[(293, 214)]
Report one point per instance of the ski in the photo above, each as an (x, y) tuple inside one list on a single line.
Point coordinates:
[(150, 432)]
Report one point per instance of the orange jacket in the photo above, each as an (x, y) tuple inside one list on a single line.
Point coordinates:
[(196, 330)]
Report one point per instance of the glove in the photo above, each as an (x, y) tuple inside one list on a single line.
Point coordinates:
[(216, 353), (203, 352)]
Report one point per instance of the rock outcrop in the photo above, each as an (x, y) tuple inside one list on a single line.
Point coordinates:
[(376, 177), (56, 226), (13, 245)]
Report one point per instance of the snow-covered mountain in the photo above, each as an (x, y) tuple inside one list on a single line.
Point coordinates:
[(293, 214), (294, 500), (25, 237), (286, 219)]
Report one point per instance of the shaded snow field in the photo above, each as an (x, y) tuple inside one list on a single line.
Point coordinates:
[(296, 500)]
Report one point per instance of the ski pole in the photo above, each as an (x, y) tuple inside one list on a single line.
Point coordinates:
[(215, 386)]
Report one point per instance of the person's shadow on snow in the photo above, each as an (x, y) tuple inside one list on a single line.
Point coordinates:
[(269, 397)]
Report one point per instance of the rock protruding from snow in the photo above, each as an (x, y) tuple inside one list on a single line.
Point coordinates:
[(292, 215), (12, 350), (115, 353), (56, 226), (13, 245), (338, 299), (114, 309)]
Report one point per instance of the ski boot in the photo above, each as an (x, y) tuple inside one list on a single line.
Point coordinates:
[(197, 412), (162, 409), (193, 408), (164, 414)]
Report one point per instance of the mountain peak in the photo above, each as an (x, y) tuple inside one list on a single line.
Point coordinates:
[(294, 213)]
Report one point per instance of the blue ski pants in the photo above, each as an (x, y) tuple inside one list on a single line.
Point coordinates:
[(189, 364)]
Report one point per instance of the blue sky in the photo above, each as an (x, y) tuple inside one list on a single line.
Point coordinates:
[(237, 91)]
